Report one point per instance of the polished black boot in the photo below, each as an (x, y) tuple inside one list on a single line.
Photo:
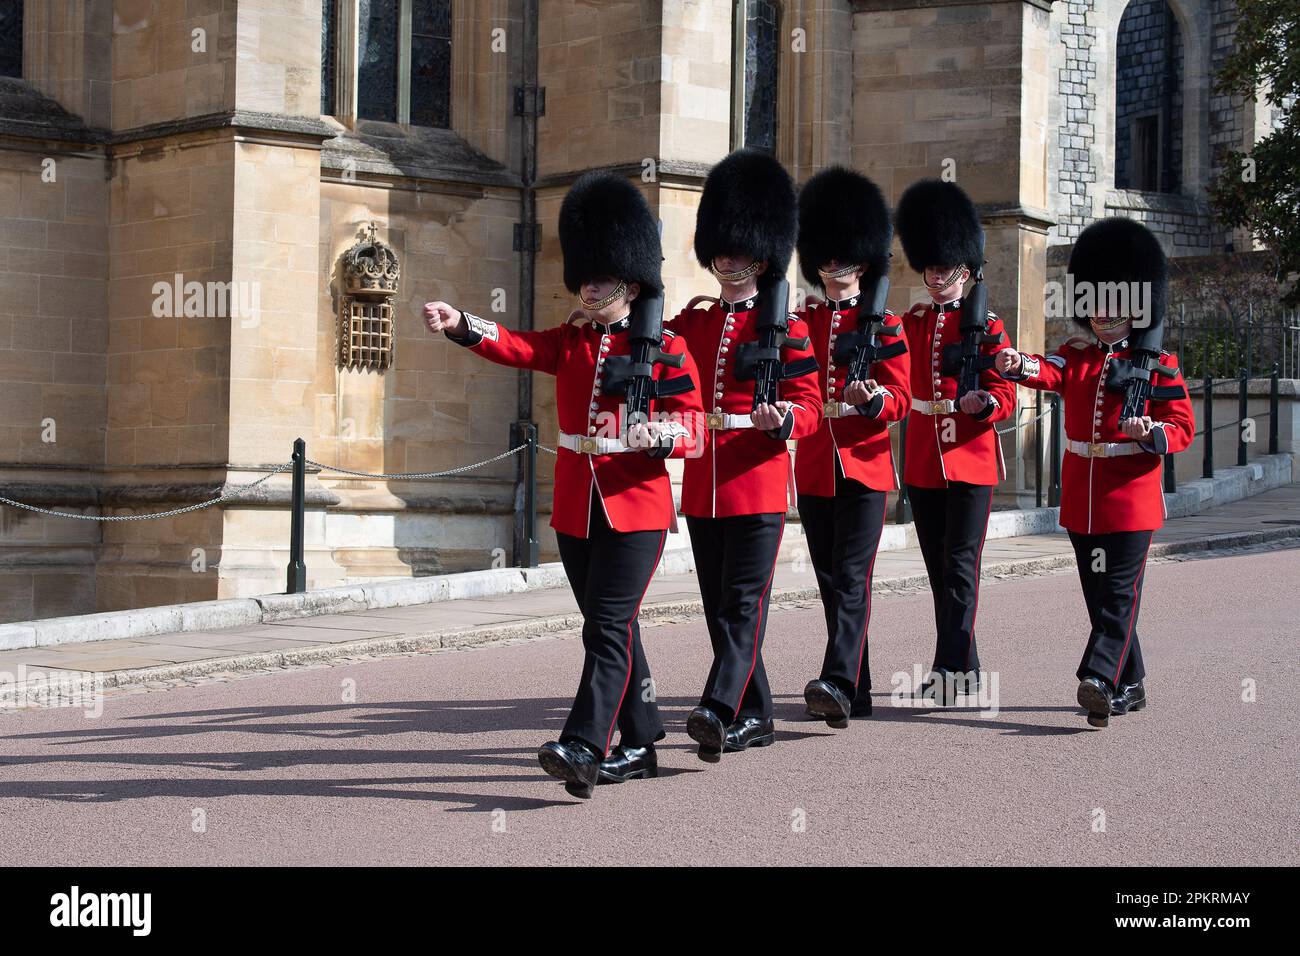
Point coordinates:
[(935, 688), (1128, 697), (944, 687), (573, 761), (1094, 696), (750, 732), (707, 729), (629, 763), (826, 701)]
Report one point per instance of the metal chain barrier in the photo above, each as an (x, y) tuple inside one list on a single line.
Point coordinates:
[(1041, 415), (245, 489), (419, 475)]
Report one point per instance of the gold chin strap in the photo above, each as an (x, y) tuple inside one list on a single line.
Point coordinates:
[(614, 296), (838, 273), (740, 276), (951, 278), (1105, 325)]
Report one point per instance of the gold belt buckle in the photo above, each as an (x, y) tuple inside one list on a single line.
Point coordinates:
[(831, 409), (587, 446), (1096, 449), (943, 407), (713, 420)]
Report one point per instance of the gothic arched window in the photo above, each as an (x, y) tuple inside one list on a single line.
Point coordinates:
[(1149, 99), (756, 55), (387, 60)]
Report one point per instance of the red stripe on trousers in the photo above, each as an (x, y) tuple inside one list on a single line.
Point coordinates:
[(757, 627), (979, 557), (627, 680), (1132, 617), (862, 646)]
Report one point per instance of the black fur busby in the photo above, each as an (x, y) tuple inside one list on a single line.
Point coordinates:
[(842, 216), (607, 229), (938, 226), (1121, 250), (749, 208)]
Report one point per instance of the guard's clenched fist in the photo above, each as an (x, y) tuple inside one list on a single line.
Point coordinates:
[(1008, 362), (973, 402), (768, 417), (1139, 429), (441, 317), (860, 393)]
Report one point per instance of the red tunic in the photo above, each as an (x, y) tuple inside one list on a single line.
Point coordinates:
[(861, 444), (743, 470), (967, 450), (634, 488), (1101, 495)]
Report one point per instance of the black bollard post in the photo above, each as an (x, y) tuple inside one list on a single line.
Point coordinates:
[(1273, 400), (296, 581), (1207, 452), (530, 496), (902, 507), (1038, 450), (1243, 396), (1058, 427), (526, 548)]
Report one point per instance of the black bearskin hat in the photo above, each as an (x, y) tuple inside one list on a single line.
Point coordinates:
[(607, 229), (938, 226), (842, 216), (748, 207), (1125, 251)]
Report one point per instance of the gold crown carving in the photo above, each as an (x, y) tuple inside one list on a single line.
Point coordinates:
[(370, 266)]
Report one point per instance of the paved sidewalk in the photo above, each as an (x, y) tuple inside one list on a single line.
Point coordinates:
[(1272, 515)]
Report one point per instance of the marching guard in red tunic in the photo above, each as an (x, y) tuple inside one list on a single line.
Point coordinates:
[(845, 470), (953, 458), (761, 390), (1125, 406), (627, 397)]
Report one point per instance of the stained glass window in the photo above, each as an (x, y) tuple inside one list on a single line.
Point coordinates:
[(11, 38), (377, 59), (762, 23), (431, 63), (403, 60), (329, 51)]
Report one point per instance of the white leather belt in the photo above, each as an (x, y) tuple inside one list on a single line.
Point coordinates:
[(945, 407), (589, 445), (1103, 449), (720, 420), (839, 409)]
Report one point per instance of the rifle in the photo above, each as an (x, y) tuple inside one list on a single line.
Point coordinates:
[(761, 360), (633, 375), (861, 349), (1132, 376), (965, 360)]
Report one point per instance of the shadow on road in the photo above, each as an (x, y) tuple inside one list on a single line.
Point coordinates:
[(344, 722), (369, 720)]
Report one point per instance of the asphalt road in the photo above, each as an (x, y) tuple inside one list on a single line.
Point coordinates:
[(433, 762)]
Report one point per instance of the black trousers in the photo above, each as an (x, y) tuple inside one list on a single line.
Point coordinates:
[(843, 534), (735, 560), (609, 572), (950, 524), (1111, 569)]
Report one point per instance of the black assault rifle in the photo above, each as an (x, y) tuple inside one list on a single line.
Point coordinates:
[(861, 349), (966, 360), (633, 375), (761, 360), (1133, 375)]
